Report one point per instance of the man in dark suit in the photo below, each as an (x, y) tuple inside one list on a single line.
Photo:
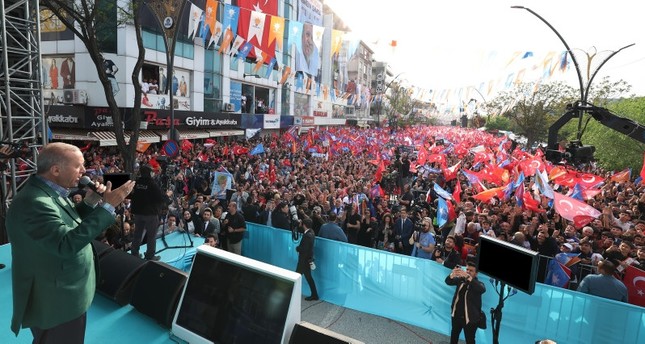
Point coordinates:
[(204, 226), (306, 257), (403, 229), (280, 217), (466, 303), (53, 272)]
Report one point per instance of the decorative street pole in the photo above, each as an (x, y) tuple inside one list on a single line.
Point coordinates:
[(382, 93), (584, 90), (168, 14)]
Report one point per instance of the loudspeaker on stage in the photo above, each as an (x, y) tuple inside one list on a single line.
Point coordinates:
[(118, 273), (157, 291), (306, 333)]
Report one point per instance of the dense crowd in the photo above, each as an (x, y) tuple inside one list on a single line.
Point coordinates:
[(430, 192)]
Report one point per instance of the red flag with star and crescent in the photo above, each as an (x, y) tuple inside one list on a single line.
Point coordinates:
[(635, 282), (571, 209), (253, 24)]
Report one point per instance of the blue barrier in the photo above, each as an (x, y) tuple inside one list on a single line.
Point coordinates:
[(413, 291)]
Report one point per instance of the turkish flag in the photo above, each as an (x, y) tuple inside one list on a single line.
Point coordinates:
[(239, 150), (635, 282), (378, 175), (450, 173), (456, 195), (643, 169), (573, 210), (487, 195), (588, 180), (255, 17)]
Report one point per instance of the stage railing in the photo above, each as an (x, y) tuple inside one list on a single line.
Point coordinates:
[(412, 290)]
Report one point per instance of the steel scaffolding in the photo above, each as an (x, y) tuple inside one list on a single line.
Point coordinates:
[(22, 124)]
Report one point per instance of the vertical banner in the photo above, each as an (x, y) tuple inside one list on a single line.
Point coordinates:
[(308, 56), (236, 95)]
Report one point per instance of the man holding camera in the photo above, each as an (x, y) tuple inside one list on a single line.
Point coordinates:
[(147, 202), (280, 217), (466, 303)]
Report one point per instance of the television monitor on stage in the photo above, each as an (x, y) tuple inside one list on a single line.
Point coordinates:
[(233, 299), (493, 257)]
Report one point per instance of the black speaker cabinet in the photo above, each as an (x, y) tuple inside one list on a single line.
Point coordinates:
[(118, 273), (101, 248), (306, 333), (157, 291)]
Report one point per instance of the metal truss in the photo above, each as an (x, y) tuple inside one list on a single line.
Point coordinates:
[(22, 124)]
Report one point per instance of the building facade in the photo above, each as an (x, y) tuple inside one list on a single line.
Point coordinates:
[(223, 82)]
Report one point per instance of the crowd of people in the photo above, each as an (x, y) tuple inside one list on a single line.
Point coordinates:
[(428, 192), (385, 190)]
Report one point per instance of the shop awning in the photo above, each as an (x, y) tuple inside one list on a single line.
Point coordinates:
[(108, 138), (225, 133), (72, 134), (185, 134), (104, 138)]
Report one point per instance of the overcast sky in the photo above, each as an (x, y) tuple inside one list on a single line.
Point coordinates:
[(460, 43)]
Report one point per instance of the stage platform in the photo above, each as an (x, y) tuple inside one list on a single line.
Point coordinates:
[(373, 296), (110, 323)]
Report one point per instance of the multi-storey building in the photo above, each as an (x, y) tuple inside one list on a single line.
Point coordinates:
[(307, 75)]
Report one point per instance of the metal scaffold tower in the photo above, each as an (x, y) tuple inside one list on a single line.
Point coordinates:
[(22, 125)]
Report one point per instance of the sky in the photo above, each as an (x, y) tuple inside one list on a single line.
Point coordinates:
[(457, 44)]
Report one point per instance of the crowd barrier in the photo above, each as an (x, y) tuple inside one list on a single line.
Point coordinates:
[(413, 291)]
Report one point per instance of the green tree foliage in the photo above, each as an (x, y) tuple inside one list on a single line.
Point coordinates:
[(499, 123), (614, 151), (92, 22), (532, 108)]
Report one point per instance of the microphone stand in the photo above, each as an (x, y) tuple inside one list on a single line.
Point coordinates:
[(164, 226)]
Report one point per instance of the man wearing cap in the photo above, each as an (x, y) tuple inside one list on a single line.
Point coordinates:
[(147, 202), (604, 284)]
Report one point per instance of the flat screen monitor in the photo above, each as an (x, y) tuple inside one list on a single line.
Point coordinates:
[(493, 258), (233, 299), (117, 179)]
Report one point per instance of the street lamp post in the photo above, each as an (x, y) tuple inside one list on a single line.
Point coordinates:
[(168, 14), (584, 90), (381, 94)]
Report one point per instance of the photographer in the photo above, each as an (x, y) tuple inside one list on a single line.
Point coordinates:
[(446, 254), (423, 240), (280, 218), (147, 203)]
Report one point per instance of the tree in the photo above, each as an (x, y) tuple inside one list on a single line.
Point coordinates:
[(86, 19), (401, 102), (532, 108), (615, 151), (499, 123)]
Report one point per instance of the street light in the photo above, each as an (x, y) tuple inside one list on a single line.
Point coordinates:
[(168, 13), (253, 75), (584, 91), (381, 93)]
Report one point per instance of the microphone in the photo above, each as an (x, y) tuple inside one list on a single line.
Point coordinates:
[(87, 182)]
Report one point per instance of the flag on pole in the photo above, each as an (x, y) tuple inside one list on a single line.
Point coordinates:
[(259, 149), (635, 282)]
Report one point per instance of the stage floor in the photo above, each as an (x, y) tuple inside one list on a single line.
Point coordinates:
[(110, 323)]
